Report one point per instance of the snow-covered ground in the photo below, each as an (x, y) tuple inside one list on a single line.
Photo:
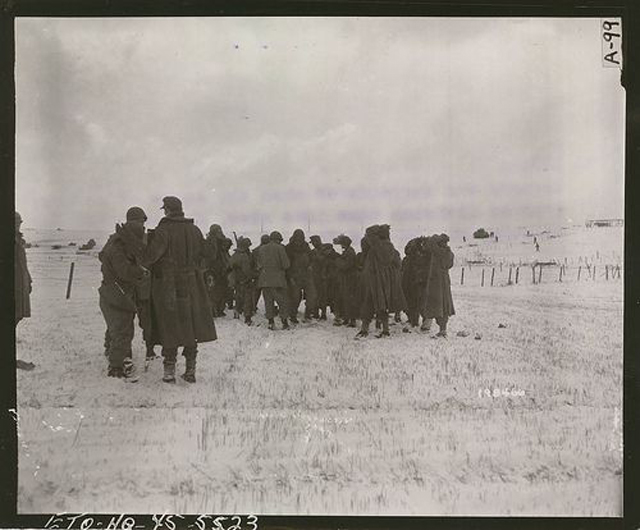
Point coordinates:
[(311, 421)]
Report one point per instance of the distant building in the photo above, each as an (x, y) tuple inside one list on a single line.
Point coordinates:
[(590, 223)]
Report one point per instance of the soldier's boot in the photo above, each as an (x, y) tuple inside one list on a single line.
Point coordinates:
[(272, 324), (285, 324), (129, 372), (397, 317), (364, 330), (247, 320), (323, 314), (352, 323), (114, 371), (442, 324), (426, 324), (294, 319), (169, 372), (385, 327), (190, 370), (337, 321), (378, 323), (236, 315)]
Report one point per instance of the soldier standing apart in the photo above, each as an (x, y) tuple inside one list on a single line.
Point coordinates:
[(272, 262), (300, 276), (121, 273), (244, 272), (439, 302), (22, 284), (178, 291)]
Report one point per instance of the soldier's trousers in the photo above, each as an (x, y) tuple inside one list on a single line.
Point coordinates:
[(277, 294), (296, 287), (321, 293), (442, 322), (245, 299), (119, 333), (416, 302), (169, 354)]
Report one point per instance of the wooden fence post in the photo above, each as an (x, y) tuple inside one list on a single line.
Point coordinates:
[(594, 273), (462, 277), (540, 274), (70, 280), (517, 274), (493, 273), (579, 271), (606, 272), (533, 274), (560, 274), (510, 271), (482, 284)]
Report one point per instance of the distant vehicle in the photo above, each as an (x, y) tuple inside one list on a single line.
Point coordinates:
[(481, 233), (89, 244), (591, 223)]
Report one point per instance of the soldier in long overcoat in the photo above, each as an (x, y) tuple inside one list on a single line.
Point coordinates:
[(217, 268), (272, 262), (381, 280), (300, 277), (347, 281), (319, 274), (439, 302), (416, 267), (332, 281), (179, 294), (21, 275)]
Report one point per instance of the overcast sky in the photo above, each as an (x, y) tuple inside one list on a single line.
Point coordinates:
[(437, 124)]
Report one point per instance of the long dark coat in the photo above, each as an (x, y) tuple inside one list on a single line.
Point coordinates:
[(299, 254), (22, 280), (272, 263), (181, 306), (381, 277), (439, 302), (416, 267), (348, 283)]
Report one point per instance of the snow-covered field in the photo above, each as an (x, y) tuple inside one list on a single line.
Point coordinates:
[(311, 421)]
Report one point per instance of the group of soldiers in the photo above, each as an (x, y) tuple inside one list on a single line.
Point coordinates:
[(177, 281), (354, 286)]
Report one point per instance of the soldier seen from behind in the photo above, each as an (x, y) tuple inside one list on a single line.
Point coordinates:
[(347, 282), (181, 305), (244, 272), (382, 288), (416, 267), (272, 262), (122, 271), (319, 274), (264, 240), (439, 302), (300, 276), (217, 267), (333, 283)]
